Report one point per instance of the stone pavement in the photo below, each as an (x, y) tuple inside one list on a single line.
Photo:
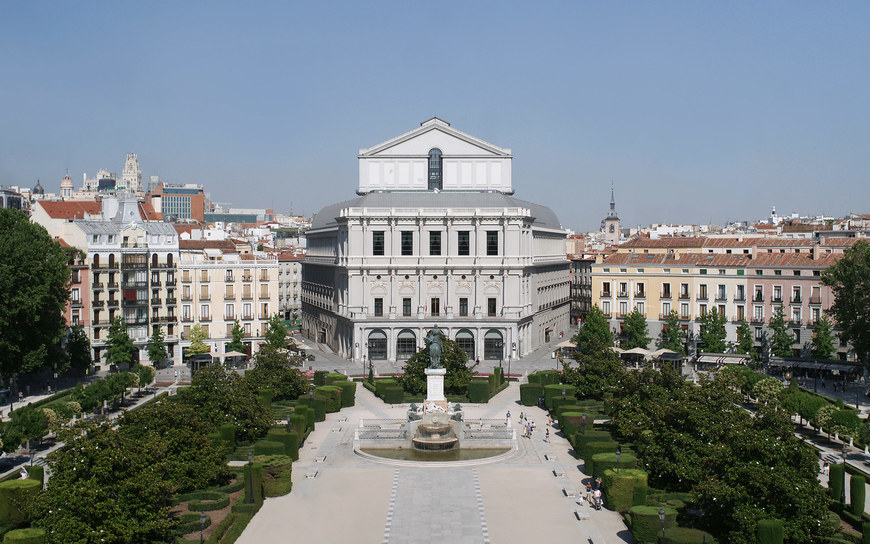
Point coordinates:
[(339, 496)]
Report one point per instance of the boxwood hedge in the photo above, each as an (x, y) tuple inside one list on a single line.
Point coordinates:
[(531, 393)]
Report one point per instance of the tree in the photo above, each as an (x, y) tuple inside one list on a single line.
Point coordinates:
[(745, 344), (78, 348), (594, 337), (823, 341), (156, 346), (672, 336), (712, 332), (238, 334), (276, 332), (34, 288), (198, 336), (120, 348), (781, 340), (274, 371), (849, 279), (635, 331), (453, 359)]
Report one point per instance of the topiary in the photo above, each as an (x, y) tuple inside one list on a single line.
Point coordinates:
[(645, 524), (308, 413), (277, 474), (857, 493), (189, 522), (580, 439), (14, 495), (591, 449), (332, 395), (394, 394), (31, 535), (348, 392), (560, 390), (36, 472), (836, 480), (531, 393), (320, 377), (333, 377), (770, 531), (381, 386), (269, 447), (605, 461), (298, 422), (206, 501), (290, 440), (624, 489), (570, 422), (686, 535), (478, 391)]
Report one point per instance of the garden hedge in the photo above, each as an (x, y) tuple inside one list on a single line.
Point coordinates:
[(228, 435), (317, 405), (36, 472), (770, 531), (552, 391), (290, 440), (298, 422), (478, 391), (31, 535), (307, 413), (624, 489), (13, 496), (394, 394), (333, 377), (570, 422), (605, 461), (547, 377), (265, 396), (865, 532), (269, 447), (206, 501), (857, 494), (531, 393), (236, 529), (836, 480), (320, 377), (189, 522), (277, 475), (348, 392), (499, 373), (253, 483), (686, 535), (332, 395), (536, 379), (493, 384), (580, 439), (645, 525), (591, 449), (381, 386)]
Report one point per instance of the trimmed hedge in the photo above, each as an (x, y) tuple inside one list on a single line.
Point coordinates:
[(686, 535), (36, 472), (591, 449), (531, 393), (189, 522), (381, 385), (237, 485), (278, 472), (31, 535), (857, 494), (625, 489), (545, 377), (645, 524), (236, 529), (333, 377), (228, 435), (253, 483), (269, 447), (290, 440), (770, 531), (348, 393), (569, 422), (206, 501), (602, 462), (332, 395), (478, 391), (13, 496), (320, 377), (308, 413), (394, 394), (265, 396), (493, 384), (298, 422), (836, 481), (317, 405), (555, 390)]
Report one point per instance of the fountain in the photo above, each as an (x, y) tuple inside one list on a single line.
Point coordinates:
[(433, 433)]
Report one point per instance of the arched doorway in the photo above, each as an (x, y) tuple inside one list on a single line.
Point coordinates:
[(406, 344), (377, 345), (465, 339), (493, 344)]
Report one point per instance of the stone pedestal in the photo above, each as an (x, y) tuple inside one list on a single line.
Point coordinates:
[(435, 389)]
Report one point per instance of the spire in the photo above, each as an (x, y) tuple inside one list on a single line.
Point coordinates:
[(612, 214)]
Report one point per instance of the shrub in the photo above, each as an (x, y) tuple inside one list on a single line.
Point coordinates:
[(277, 472), (625, 488), (317, 405), (857, 492), (556, 390), (14, 494), (573, 407), (493, 384), (228, 435), (381, 386), (334, 377), (265, 397), (332, 395), (570, 422), (591, 449), (206, 501), (865, 532), (30, 535), (308, 413), (37, 472), (269, 447), (394, 394), (320, 377), (253, 484), (580, 439), (549, 376), (189, 522), (686, 535), (770, 531), (348, 392), (604, 461), (298, 422), (535, 378), (645, 524), (531, 393), (235, 531), (290, 440), (837, 480), (478, 391)]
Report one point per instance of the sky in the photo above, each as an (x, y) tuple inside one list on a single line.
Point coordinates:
[(696, 112)]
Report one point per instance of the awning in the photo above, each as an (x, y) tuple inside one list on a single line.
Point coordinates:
[(723, 359), (842, 367), (567, 344)]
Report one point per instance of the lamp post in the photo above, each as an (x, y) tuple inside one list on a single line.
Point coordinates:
[(843, 491), (201, 525), (618, 454), (662, 519), (251, 474)]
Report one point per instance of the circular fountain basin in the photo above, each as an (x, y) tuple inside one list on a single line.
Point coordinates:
[(455, 454)]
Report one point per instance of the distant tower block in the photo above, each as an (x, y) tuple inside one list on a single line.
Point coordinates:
[(610, 224), (131, 177), (66, 186)]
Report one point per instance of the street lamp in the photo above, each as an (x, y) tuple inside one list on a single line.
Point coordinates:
[(843, 491), (618, 454), (251, 476), (201, 525), (662, 519)]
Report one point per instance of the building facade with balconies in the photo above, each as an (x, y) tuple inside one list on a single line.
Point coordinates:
[(435, 238)]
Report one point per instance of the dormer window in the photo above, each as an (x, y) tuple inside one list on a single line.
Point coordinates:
[(435, 161)]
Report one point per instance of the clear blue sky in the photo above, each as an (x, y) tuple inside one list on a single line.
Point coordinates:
[(697, 111)]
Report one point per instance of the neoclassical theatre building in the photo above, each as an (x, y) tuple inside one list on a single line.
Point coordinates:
[(435, 237)]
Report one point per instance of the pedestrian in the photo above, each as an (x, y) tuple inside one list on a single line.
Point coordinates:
[(530, 429), (547, 436), (522, 417), (508, 417), (589, 493), (598, 483), (550, 420), (596, 499)]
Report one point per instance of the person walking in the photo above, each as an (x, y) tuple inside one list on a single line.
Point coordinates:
[(547, 436), (596, 499), (508, 417), (589, 493)]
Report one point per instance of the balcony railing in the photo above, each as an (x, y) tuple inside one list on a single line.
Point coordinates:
[(77, 302), (605, 294), (758, 298), (623, 294), (204, 297), (665, 294), (685, 317), (739, 297), (756, 319), (247, 278), (97, 302), (205, 318), (247, 317), (170, 282), (186, 298), (267, 316), (721, 297), (229, 317), (702, 296), (264, 295), (171, 301), (97, 286), (112, 285), (640, 294), (156, 301), (155, 283), (113, 266), (816, 300), (229, 296), (796, 300), (187, 319), (247, 296), (112, 303), (684, 296), (776, 298)]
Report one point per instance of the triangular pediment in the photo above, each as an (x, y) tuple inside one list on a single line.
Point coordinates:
[(431, 134)]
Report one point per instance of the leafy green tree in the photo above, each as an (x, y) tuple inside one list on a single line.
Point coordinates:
[(28, 423), (594, 337), (745, 344), (672, 336), (276, 332), (237, 343), (781, 340), (712, 332), (120, 348), (849, 279), (78, 348), (453, 359), (274, 371), (635, 331), (593, 377), (198, 336), (823, 341), (34, 288), (156, 346), (768, 390)]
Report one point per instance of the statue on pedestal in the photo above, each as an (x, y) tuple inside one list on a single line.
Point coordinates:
[(435, 347)]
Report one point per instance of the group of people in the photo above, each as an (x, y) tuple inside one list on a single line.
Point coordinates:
[(593, 494)]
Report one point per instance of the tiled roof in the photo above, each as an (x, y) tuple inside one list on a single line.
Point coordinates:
[(784, 242), (203, 244), (772, 260), (841, 241), (70, 209), (148, 213)]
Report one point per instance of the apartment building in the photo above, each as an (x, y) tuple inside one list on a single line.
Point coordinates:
[(290, 284)]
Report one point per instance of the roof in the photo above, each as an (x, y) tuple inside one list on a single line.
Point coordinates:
[(70, 209), (542, 215), (203, 244), (785, 260), (146, 210)]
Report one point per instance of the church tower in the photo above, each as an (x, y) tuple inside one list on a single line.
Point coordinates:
[(131, 177), (610, 224), (66, 187)]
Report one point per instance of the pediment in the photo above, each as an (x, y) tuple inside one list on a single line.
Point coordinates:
[(435, 133)]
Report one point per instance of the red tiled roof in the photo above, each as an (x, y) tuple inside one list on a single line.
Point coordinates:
[(146, 210), (203, 244), (840, 241), (70, 209), (785, 260)]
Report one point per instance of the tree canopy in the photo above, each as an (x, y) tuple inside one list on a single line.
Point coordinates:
[(34, 288), (453, 359), (273, 371), (238, 336), (635, 331), (156, 346), (594, 337), (745, 343), (781, 340), (823, 341), (120, 348), (849, 279), (198, 336), (672, 336), (78, 348), (712, 332)]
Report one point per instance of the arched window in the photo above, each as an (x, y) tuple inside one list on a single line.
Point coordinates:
[(111, 260), (377, 345), (406, 344), (465, 339), (169, 259), (493, 343), (435, 161), (96, 260), (154, 261)]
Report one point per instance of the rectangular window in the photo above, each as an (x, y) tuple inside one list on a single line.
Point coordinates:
[(721, 310), (684, 311), (229, 311), (759, 334), (406, 307), (777, 293), (796, 315), (639, 290), (702, 293), (666, 290), (741, 292), (797, 336), (435, 306), (796, 294), (407, 243), (741, 315), (684, 290), (623, 289), (434, 242), (605, 308), (492, 242), (203, 312), (464, 245), (720, 292), (463, 307), (378, 243), (605, 289), (379, 307), (759, 313), (623, 309), (641, 308), (702, 310), (666, 309), (490, 307)]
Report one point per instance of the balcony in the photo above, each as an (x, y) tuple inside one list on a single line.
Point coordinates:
[(229, 278), (605, 294), (758, 298), (739, 297), (247, 296), (816, 300), (133, 264), (77, 303), (247, 278), (187, 319), (171, 301), (135, 284), (155, 283), (606, 314), (204, 298), (97, 286), (264, 296), (623, 294), (247, 317), (164, 319), (796, 300), (684, 296), (110, 266), (112, 285), (163, 265), (702, 296), (229, 296), (186, 298), (229, 318), (170, 282), (640, 294), (267, 316), (665, 294), (112, 303), (756, 319), (721, 297), (205, 318), (97, 302), (685, 317), (156, 301)]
